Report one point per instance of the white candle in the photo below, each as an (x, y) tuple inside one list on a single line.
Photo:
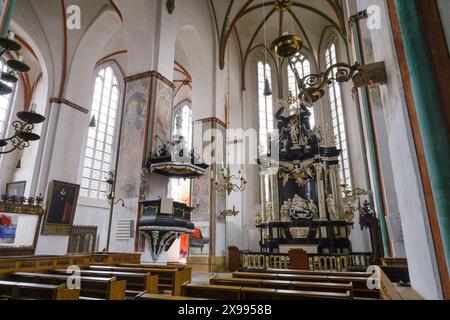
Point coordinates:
[(33, 107), (20, 59), (11, 35)]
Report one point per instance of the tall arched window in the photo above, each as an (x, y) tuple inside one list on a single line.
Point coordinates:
[(337, 118), (303, 68), (100, 141), (180, 189), (265, 107), (5, 104)]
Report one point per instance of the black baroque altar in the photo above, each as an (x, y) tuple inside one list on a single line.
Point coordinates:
[(300, 177)]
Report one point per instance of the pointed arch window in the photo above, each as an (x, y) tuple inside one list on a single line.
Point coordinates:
[(100, 142), (5, 104), (265, 107), (337, 118), (303, 67)]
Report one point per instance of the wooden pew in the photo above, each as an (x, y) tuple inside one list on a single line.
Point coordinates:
[(221, 292), (91, 288), (286, 285), (164, 297), (360, 289), (12, 290), (320, 273), (311, 295), (187, 270), (168, 279), (136, 282), (211, 291), (254, 294)]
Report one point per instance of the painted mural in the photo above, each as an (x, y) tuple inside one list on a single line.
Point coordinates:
[(163, 112), (201, 194), (131, 150), (221, 198)]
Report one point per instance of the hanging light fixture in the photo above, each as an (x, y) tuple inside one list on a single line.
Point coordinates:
[(23, 128), (267, 90), (93, 123)]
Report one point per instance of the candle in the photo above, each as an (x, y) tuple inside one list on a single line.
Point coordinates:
[(33, 107), (11, 35), (20, 59)]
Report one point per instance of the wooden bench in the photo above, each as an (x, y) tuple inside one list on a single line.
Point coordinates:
[(168, 279), (91, 287), (320, 273), (359, 283), (164, 297), (12, 290), (222, 292), (312, 295), (136, 282), (211, 291), (287, 285), (187, 270)]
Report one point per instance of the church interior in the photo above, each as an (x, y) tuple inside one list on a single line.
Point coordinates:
[(224, 150)]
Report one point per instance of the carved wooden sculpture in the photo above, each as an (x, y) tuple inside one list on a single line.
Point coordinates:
[(368, 219)]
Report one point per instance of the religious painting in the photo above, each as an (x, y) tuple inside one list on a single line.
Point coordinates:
[(8, 229), (134, 123), (16, 188), (162, 114), (61, 207)]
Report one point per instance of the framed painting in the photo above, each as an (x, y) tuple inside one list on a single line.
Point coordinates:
[(19, 225), (16, 188), (62, 198)]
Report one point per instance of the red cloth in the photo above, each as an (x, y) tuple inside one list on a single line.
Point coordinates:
[(184, 243), (197, 234)]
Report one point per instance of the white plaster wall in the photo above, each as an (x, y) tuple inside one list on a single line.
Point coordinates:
[(444, 9), (408, 187)]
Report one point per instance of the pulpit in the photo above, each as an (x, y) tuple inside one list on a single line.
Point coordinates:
[(162, 222)]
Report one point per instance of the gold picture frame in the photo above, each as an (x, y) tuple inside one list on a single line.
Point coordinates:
[(62, 198)]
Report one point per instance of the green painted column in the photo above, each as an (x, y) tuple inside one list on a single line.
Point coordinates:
[(9, 7), (433, 128)]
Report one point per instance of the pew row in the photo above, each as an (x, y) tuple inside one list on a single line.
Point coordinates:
[(169, 279), (11, 290), (91, 287), (360, 289), (285, 285), (136, 283), (221, 292), (314, 272), (165, 297), (186, 270)]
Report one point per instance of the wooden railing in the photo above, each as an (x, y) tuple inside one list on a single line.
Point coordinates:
[(264, 260), (318, 262), (339, 262)]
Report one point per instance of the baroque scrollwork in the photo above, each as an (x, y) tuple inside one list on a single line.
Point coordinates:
[(312, 87), (298, 173)]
